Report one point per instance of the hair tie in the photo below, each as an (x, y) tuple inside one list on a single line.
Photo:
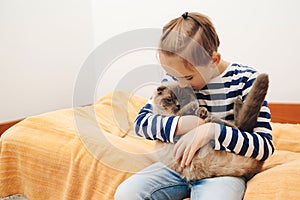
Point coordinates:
[(185, 15)]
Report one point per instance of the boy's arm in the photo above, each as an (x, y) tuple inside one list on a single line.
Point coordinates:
[(257, 144), (151, 126)]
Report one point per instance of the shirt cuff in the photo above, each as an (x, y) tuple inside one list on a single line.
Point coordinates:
[(219, 128), (173, 128)]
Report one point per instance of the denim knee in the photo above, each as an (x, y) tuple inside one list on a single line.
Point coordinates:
[(123, 193), (127, 190)]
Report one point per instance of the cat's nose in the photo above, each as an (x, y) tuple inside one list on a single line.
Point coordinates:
[(178, 106)]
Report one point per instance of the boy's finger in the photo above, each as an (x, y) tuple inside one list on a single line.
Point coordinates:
[(176, 147), (190, 156), (179, 151), (185, 156)]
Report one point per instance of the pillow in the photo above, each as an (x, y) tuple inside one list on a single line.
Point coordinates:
[(116, 112), (280, 178), (286, 136)]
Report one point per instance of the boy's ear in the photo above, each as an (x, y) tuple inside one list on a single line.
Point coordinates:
[(215, 58)]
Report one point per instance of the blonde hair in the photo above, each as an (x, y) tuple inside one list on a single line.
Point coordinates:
[(192, 37)]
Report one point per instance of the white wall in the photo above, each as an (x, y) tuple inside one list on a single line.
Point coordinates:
[(44, 45)]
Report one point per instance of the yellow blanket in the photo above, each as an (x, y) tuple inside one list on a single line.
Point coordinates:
[(85, 153)]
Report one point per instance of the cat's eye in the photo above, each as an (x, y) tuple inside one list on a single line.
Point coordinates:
[(169, 100)]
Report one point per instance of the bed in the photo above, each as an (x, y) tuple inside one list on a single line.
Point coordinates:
[(86, 152)]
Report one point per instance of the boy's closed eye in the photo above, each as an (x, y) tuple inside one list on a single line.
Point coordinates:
[(189, 78)]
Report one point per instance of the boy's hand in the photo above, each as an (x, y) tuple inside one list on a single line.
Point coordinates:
[(192, 141)]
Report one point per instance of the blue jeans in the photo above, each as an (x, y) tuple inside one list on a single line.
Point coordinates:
[(161, 183)]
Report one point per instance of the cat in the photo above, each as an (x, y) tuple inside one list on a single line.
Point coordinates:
[(208, 162)]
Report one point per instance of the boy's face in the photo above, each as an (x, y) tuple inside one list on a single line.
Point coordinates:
[(186, 75)]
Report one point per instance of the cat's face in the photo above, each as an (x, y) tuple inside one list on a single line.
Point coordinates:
[(168, 100)]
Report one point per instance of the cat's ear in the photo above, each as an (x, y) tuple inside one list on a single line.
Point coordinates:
[(160, 89)]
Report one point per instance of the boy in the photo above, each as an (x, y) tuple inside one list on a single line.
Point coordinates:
[(188, 52)]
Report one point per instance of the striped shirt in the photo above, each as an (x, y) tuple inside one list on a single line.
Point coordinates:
[(218, 97)]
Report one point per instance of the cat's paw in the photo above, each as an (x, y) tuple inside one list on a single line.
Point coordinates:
[(194, 105), (202, 112), (208, 119)]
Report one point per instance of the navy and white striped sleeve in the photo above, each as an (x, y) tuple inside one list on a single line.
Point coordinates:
[(257, 144), (153, 127)]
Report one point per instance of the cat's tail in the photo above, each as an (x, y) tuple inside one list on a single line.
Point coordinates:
[(250, 109)]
